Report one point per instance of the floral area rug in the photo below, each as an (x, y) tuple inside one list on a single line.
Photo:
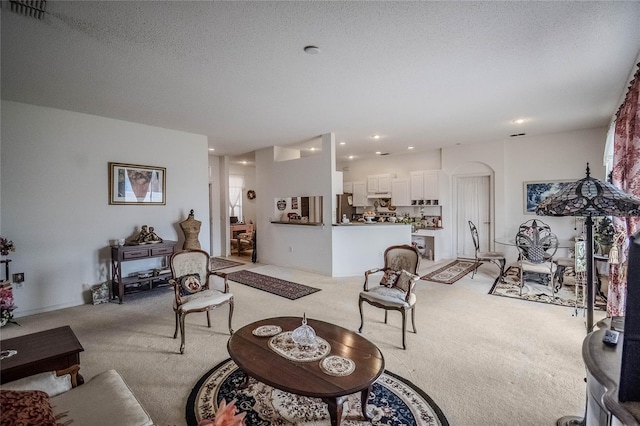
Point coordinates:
[(537, 292), (216, 263), (392, 401), (283, 288), (451, 272)]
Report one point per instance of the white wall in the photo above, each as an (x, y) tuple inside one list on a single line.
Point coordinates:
[(55, 196), (306, 248)]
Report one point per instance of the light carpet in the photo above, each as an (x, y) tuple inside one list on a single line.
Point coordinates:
[(486, 360), (393, 401), (451, 272)]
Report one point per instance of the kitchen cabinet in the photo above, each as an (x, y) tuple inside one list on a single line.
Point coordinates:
[(379, 183), (424, 185), (347, 187), (360, 194), (400, 192)]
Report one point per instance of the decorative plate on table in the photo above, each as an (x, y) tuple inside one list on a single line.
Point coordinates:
[(337, 366), (267, 330)]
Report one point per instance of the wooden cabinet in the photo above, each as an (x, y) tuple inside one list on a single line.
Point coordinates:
[(379, 183), (400, 192), (120, 254), (360, 194), (347, 187), (424, 185)]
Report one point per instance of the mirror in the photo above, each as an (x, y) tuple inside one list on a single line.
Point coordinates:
[(302, 210)]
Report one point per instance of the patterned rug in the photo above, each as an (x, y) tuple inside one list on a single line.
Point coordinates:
[(222, 263), (451, 272), (392, 401), (276, 286), (537, 292)]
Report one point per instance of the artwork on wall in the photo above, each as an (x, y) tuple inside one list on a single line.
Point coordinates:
[(294, 203), (135, 184), (535, 192)]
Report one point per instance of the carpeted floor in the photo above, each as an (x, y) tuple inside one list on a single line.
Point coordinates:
[(451, 272), (273, 285), (217, 263), (393, 401), (537, 292)]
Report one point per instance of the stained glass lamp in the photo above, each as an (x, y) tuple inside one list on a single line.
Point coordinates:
[(589, 197)]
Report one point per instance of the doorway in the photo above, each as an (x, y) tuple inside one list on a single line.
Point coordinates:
[(472, 203)]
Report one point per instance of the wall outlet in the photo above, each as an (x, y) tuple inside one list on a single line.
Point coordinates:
[(19, 285)]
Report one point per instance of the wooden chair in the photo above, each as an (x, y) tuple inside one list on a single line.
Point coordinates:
[(395, 291), (496, 257), (192, 281), (244, 241)]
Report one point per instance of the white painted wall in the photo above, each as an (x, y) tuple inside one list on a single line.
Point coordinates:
[(55, 196), (306, 248)]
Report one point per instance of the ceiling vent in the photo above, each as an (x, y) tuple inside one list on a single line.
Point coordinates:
[(384, 153), (515, 135), (32, 8)]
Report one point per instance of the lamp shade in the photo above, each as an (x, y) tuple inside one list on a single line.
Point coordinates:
[(589, 197)]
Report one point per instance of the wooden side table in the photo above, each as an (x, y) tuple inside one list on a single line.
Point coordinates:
[(49, 350)]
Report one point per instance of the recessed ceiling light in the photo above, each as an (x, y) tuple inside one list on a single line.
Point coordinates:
[(312, 50), (378, 152), (409, 147), (518, 121), (375, 137), (350, 157), (212, 149), (244, 161), (343, 143), (312, 149)]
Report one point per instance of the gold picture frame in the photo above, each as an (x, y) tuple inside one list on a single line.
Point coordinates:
[(134, 184)]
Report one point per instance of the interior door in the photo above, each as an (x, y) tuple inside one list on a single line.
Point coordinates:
[(473, 195)]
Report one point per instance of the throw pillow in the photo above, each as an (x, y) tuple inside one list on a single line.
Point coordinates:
[(389, 278), (26, 408), (189, 284), (406, 280)]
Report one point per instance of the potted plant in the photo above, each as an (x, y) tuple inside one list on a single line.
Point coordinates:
[(604, 235)]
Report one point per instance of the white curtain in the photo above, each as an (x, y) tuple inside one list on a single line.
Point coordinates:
[(236, 186), (472, 205)]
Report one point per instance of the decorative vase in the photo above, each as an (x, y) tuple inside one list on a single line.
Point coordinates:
[(304, 335)]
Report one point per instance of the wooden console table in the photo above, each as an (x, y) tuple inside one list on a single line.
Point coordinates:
[(121, 254), (49, 350)]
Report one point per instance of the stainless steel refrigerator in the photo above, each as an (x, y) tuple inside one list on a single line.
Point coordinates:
[(345, 206)]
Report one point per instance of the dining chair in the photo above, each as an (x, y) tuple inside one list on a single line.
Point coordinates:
[(537, 245), (495, 257), (192, 282)]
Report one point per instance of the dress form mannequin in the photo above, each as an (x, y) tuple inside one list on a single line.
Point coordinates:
[(191, 229)]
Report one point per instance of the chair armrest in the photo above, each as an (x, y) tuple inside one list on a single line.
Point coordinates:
[(366, 277), (176, 291), (224, 276)]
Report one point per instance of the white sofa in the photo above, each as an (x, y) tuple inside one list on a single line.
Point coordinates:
[(104, 400)]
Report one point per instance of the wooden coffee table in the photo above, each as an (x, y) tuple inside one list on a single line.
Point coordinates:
[(49, 350), (255, 358)]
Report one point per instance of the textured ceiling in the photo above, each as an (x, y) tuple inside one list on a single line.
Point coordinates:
[(422, 74)]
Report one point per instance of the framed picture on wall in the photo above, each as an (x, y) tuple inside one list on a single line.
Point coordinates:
[(294, 203), (535, 192), (136, 184)]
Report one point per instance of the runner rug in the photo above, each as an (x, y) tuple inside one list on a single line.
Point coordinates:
[(451, 272), (216, 263), (538, 292), (276, 286), (392, 401)]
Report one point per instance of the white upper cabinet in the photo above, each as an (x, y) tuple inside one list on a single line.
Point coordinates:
[(400, 192), (379, 183), (347, 187), (359, 193), (424, 185)]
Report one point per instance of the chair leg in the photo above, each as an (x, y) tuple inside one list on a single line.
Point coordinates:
[(475, 266), (404, 328), (502, 263), (175, 332), (385, 316), (521, 280), (230, 315), (413, 318), (182, 316), (208, 319), (361, 316)]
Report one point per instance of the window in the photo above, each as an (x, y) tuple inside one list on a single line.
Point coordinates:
[(236, 187)]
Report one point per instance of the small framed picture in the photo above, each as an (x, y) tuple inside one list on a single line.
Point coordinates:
[(136, 184), (535, 192), (294, 203)]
